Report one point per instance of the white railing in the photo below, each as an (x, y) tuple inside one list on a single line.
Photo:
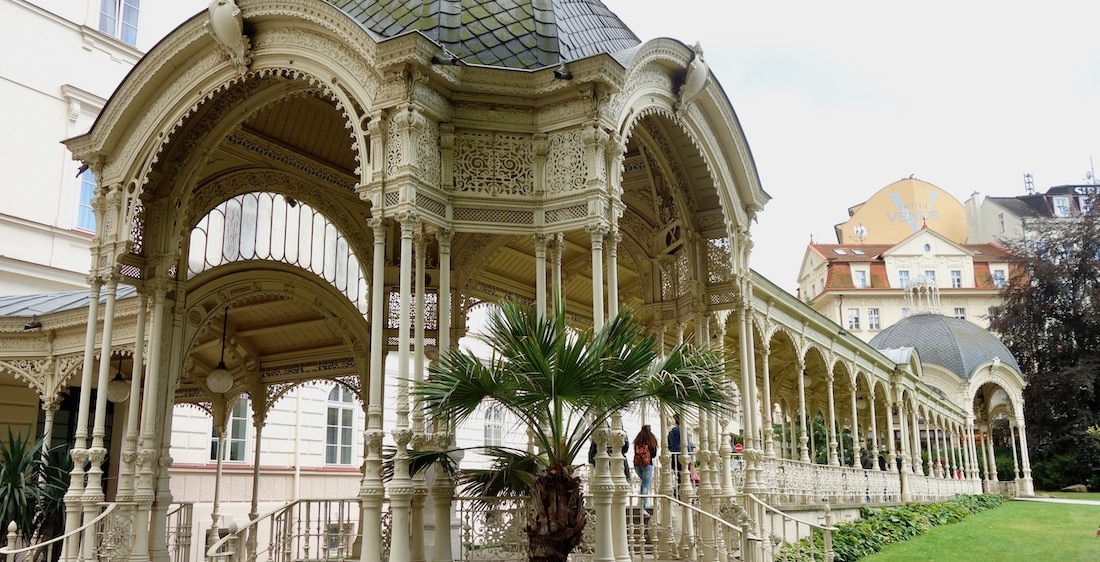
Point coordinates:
[(35, 551), (179, 528), (299, 530), (788, 538)]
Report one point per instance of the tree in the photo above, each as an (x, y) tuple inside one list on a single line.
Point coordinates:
[(1048, 319), (562, 385)]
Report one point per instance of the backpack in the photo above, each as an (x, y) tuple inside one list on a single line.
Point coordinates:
[(642, 456)]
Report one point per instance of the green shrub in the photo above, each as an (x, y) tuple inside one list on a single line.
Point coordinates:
[(877, 527), (1059, 471)]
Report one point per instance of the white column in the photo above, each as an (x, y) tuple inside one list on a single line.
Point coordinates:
[(93, 492), (613, 240), (146, 463), (444, 236), (874, 444), (803, 439), (371, 491), (769, 405), (539, 241), (137, 368), (596, 232), (833, 460), (400, 487), (420, 485), (1025, 460), (80, 446), (857, 438), (557, 247)]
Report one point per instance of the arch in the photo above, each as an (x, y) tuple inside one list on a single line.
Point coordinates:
[(214, 242), (242, 283)]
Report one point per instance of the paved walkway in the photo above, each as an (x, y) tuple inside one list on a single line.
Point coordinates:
[(1060, 500)]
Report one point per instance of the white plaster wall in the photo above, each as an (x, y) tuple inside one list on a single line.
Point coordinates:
[(55, 56)]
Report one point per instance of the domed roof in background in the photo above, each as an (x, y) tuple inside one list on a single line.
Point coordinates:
[(952, 343), (520, 34)]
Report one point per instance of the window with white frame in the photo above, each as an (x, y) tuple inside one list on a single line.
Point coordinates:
[(853, 318), (930, 275), (1085, 203), (119, 18), (339, 426), (494, 426), (873, 320), (960, 313), (1061, 207), (903, 278), (1001, 221), (956, 279), (85, 216), (905, 312), (999, 278), (236, 435), (859, 277)]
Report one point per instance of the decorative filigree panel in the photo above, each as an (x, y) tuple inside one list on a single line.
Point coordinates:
[(566, 214), (395, 148), (494, 164), (504, 216), (718, 261), (427, 153), (137, 231), (566, 168), (267, 226), (431, 310), (429, 204), (391, 198)]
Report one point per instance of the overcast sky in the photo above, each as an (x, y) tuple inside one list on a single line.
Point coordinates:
[(839, 99)]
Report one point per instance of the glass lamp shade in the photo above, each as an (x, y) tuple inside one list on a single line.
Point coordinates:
[(118, 390), (220, 380)]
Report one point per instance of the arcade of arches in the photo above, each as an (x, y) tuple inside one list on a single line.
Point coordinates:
[(335, 199)]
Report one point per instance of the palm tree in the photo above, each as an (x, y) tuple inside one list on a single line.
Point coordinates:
[(562, 385)]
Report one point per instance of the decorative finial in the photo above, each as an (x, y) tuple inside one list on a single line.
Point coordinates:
[(696, 78), (226, 26)]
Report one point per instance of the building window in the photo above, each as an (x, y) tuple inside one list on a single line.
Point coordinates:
[(930, 275), (494, 426), (873, 322), (85, 216), (999, 278), (960, 313), (339, 426), (1061, 207), (853, 318), (119, 18), (860, 279), (905, 312), (956, 279), (903, 278), (1001, 221), (236, 435), (1085, 203)]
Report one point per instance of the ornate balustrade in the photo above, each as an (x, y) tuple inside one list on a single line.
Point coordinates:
[(180, 525), (300, 530)]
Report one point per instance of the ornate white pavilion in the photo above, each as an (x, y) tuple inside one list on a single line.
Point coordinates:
[(291, 190)]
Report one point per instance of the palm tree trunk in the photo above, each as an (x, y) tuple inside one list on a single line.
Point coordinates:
[(557, 515)]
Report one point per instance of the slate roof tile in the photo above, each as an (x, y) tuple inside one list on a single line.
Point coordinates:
[(525, 34)]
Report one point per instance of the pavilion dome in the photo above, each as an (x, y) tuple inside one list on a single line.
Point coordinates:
[(952, 343), (519, 34)]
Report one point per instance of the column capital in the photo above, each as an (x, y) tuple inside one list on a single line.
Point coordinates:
[(444, 236)]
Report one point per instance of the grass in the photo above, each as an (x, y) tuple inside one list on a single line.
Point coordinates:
[(1017, 531)]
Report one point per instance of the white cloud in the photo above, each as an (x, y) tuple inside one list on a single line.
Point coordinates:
[(838, 99)]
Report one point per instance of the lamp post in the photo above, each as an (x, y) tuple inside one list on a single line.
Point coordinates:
[(219, 381)]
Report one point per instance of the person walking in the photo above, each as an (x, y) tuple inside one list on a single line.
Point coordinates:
[(645, 449), (674, 446)]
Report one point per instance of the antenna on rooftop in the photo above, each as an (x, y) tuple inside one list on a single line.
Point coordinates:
[(1029, 184), (1090, 176)]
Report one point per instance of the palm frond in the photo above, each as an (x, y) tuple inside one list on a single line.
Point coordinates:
[(511, 472)]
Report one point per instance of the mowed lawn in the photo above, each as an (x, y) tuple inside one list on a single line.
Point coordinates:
[(1016, 531)]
